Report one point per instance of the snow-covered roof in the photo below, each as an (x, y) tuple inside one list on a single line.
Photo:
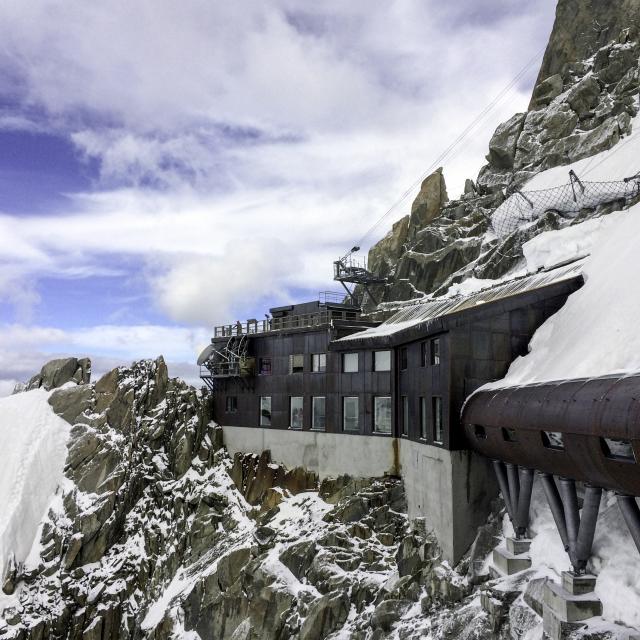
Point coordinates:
[(413, 314)]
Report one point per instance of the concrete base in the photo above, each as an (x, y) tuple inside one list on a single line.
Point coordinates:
[(578, 585), (518, 546), (508, 563), (563, 611)]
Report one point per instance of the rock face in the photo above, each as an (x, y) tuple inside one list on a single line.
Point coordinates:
[(582, 104), (56, 373)]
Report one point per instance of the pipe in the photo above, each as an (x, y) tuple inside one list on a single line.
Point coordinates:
[(571, 514), (588, 521), (501, 475), (524, 501), (555, 504), (631, 514), (514, 486)]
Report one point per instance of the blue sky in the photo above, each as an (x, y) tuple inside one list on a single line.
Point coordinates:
[(169, 166)]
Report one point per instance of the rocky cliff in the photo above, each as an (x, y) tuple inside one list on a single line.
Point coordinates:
[(583, 103)]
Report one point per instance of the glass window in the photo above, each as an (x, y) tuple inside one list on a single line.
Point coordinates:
[(231, 404), (438, 428), (617, 449), (382, 360), (264, 366), (405, 415), (435, 351), (480, 432), (296, 415), (553, 440), (319, 362), (509, 434), (404, 358), (382, 414), (318, 414), (349, 362), (296, 363), (350, 413), (423, 418), (424, 352), (265, 411)]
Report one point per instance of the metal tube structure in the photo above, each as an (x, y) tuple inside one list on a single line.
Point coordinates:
[(631, 515), (501, 475), (555, 504), (588, 521), (524, 501), (514, 487), (571, 514)]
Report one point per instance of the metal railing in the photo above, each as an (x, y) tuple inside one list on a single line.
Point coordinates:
[(328, 297), (307, 320)]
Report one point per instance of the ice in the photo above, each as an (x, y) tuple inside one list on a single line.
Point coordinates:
[(32, 455)]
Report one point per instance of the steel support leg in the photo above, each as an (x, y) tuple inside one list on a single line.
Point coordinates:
[(514, 487), (571, 514), (524, 502), (555, 504), (588, 521), (631, 514), (503, 483)]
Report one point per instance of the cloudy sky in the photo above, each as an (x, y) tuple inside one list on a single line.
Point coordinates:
[(166, 166)]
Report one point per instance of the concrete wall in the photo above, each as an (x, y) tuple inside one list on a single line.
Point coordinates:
[(452, 490), (328, 454)]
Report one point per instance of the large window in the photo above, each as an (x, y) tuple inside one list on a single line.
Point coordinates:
[(382, 360), (405, 415), (319, 362), (231, 404), (350, 413), (296, 363), (349, 362), (382, 414), (438, 427), (318, 413), (265, 411), (424, 354), (264, 366), (435, 351), (296, 412), (423, 418)]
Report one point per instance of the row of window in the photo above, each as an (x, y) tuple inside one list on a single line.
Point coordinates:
[(382, 412), (430, 354), (612, 448)]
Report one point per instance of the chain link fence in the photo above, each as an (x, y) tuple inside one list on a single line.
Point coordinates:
[(524, 207)]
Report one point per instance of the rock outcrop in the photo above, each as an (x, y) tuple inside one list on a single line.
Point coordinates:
[(56, 373)]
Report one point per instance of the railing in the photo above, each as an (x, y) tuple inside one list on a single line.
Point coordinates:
[(252, 327), (327, 297), (233, 368)]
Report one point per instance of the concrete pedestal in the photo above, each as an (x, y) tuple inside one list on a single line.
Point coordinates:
[(567, 605), (511, 558)]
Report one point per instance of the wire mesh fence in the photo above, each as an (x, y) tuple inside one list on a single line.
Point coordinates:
[(524, 207)]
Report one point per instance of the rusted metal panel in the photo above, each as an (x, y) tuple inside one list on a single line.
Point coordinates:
[(584, 411)]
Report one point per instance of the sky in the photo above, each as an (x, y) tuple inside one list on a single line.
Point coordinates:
[(165, 167)]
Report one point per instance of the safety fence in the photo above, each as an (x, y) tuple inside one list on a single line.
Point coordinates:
[(524, 207)]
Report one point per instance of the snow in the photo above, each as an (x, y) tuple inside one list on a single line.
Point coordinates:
[(32, 455)]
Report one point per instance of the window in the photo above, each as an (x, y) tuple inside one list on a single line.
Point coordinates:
[(319, 362), (405, 415), (435, 351), (318, 414), (553, 440), (382, 360), (296, 415), (350, 413), (349, 362), (423, 418), (438, 427), (424, 353), (296, 363), (265, 411), (509, 435), (231, 404), (404, 358), (617, 449), (382, 414), (264, 366)]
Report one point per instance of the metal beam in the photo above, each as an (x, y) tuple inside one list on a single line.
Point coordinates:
[(524, 501), (503, 483), (588, 521), (571, 514), (555, 504), (514, 488)]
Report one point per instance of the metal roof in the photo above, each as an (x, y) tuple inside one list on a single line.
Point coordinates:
[(416, 313)]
